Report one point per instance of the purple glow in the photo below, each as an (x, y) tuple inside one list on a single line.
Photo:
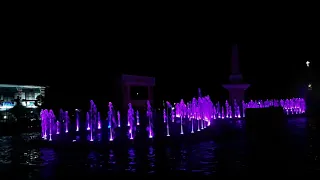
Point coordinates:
[(66, 122), (118, 115), (88, 120), (99, 121), (138, 118), (203, 109), (111, 121), (182, 108), (195, 115), (130, 120), (77, 120), (165, 119), (150, 119), (58, 127), (92, 115), (47, 123)]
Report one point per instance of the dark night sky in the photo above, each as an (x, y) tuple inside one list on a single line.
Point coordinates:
[(78, 55)]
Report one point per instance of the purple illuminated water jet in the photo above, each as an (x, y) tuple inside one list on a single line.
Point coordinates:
[(77, 120), (67, 120), (47, 123), (138, 118), (150, 119), (130, 120), (182, 118), (111, 122)]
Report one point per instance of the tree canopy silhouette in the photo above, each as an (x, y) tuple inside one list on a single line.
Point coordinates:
[(18, 111)]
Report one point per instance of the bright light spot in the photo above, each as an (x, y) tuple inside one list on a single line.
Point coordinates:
[(5, 117), (309, 86), (137, 94), (308, 63)]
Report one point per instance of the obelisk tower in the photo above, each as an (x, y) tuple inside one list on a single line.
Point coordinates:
[(236, 87)]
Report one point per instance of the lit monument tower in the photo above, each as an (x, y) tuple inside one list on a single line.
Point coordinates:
[(236, 87)]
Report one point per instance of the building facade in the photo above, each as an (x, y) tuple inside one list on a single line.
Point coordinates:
[(29, 96), (137, 90)]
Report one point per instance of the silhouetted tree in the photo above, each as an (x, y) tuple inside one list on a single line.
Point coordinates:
[(18, 111), (39, 100)]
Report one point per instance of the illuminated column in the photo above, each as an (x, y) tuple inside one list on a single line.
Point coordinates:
[(236, 87)]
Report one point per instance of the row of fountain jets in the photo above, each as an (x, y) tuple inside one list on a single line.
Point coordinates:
[(51, 125), (194, 115)]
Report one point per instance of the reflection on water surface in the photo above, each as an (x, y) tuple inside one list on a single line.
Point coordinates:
[(225, 153)]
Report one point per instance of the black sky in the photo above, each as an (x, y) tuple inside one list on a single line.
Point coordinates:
[(81, 53)]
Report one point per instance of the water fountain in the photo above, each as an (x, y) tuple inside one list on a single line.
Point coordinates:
[(99, 121), (180, 119), (77, 120), (118, 116), (47, 123), (165, 117), (130, 121), (58, 127), (193, 113), (66, 121), (138, 118), (92, 119), (43, 115), (150, 119), (111, 122), (88, 121), (182, 107)]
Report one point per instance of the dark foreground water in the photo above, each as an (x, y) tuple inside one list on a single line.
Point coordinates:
[(228, 153)]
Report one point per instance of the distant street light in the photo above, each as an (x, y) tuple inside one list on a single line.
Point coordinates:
[(308, 63)]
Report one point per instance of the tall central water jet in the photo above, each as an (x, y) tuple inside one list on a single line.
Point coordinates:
[(118, 116), (99, 120), (110, 121), (150, 118), (182, 107), (67, 120), (166, 115), (77, 120), (130, 120), (43, 115), (47, 123), (138, 118), (92, 119), (51, 123)]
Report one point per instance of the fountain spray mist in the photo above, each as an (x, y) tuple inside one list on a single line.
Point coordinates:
[(150, 118), (110, 120), (130, 120), (77, 120), (67, 120), (118, 116)]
